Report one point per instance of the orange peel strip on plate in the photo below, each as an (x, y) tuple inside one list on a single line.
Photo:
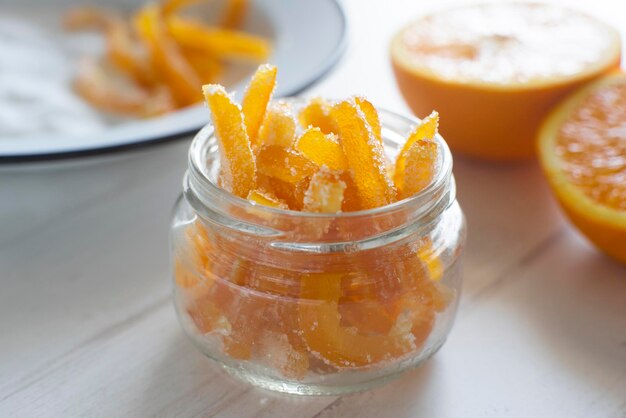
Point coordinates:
[(172, 6), (207, 68), (365, 155), (167, 58), (234, 13), (220, 43), (238, 165), (122, 51), (256, 99), (97, 87)]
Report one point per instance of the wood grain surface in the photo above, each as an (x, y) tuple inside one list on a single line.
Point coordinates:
[(87, 328)]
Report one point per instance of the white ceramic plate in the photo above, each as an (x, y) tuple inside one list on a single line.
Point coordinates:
[(307, 36)]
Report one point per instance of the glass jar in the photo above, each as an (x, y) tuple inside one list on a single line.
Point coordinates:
[(311, 303)]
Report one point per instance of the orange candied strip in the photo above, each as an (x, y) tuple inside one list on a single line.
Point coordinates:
[(284, 164), (207, 68), (325, 192), (122, 51), (219, 43), (371, 115), (365, 155), (82, 18), (256, 99), (339, 345), (317, 114), (169, 62), (424, 131), (234, 13), (279, 126), (322, 149), (95, 86), (433, 263), (238, 166), (172, 6), (266, 199), (415, 168), (290, 193)]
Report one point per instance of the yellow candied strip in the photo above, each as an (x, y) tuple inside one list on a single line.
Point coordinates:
[(219, 43), (415, 168), (284, 164), (371, 115), (256, 99), (322, 149), (168, 59), (266, 199), (422, 152), (364, 154), (342, 346), (234, 13), (237, 161), (325, 193), (278, 127), (317, 114)]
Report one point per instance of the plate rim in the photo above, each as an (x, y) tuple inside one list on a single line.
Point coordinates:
[(328, 64)]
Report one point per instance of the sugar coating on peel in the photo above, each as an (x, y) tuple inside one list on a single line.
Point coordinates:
[(322, 149), (365, 155), (418, 168), (238, 169), (279, 126), (371, 116), (425, 130), (256, 100), (284, 164), (325, 192)]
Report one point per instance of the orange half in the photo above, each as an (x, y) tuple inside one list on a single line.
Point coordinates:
[(582, 147), (495, 70)]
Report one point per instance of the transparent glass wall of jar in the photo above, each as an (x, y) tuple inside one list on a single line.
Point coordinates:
[(316, 303)]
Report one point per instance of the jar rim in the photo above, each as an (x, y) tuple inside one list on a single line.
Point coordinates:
[(197, 173)]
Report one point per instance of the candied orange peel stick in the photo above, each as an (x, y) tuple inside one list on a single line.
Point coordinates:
[(325, 192), (161, 52), (279, 126), (371, 116), (168, 60), (365, 155), (256, 99), (266, 199), (420, 148), (317, 114), (238, 165), (322, 149), (284, 164), (221, 43)]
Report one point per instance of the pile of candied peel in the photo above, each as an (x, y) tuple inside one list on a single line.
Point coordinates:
[(156, 59), (329, 159)]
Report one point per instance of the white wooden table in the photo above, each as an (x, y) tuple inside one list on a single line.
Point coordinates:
[(87, 327)]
